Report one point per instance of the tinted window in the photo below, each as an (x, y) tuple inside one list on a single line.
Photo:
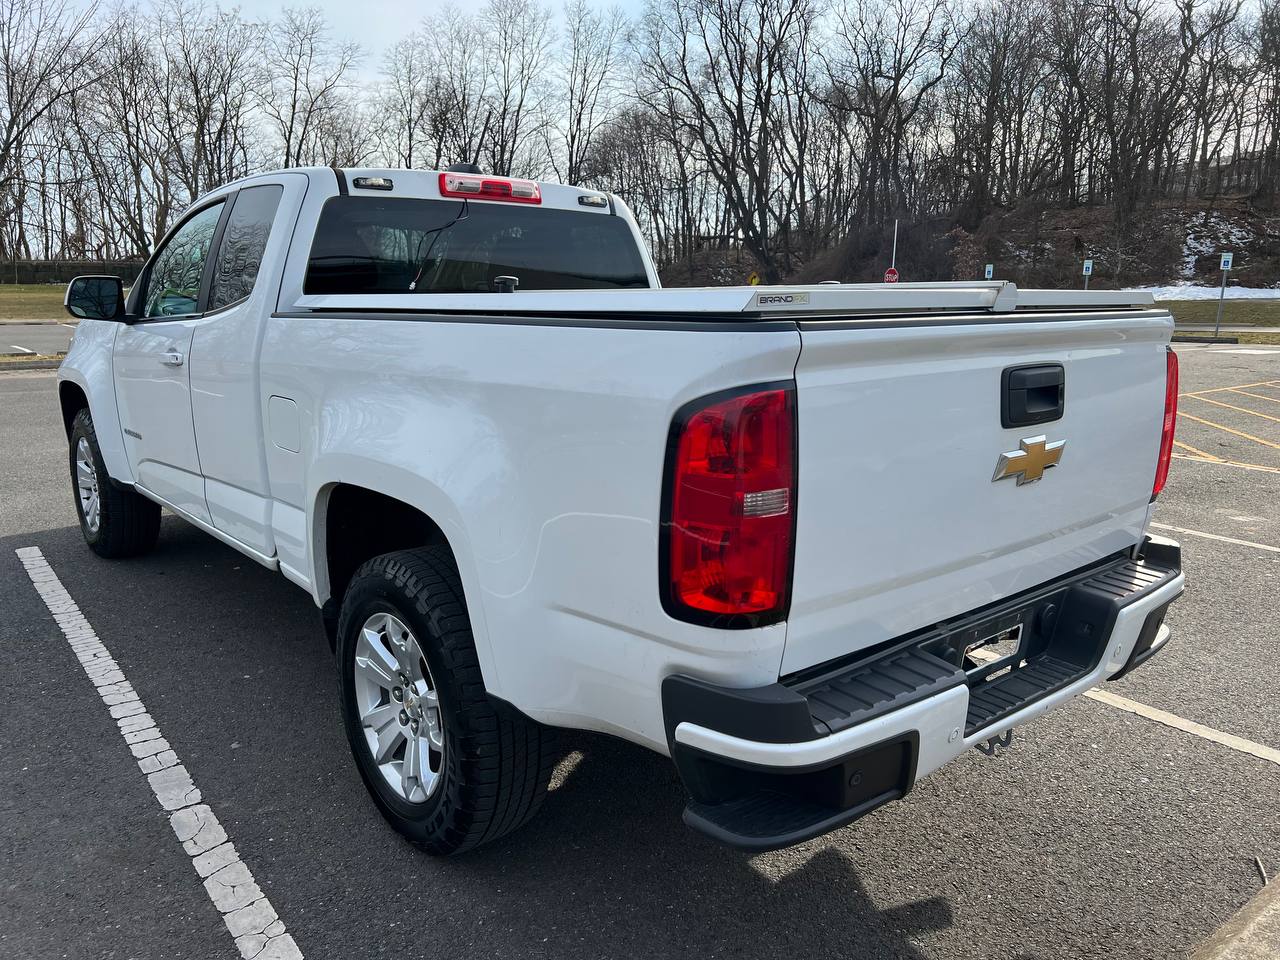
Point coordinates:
[(240, 253), (173, 286), (382, 245)]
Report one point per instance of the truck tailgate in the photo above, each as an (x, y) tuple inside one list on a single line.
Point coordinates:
[(899, 523)]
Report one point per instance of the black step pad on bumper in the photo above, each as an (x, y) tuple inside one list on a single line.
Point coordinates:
[(1018, 688), (866, 691)]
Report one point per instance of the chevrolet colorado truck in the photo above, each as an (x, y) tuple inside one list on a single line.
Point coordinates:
[(810, 542)]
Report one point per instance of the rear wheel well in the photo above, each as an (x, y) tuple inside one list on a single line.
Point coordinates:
[(72, 400), (361, 524)]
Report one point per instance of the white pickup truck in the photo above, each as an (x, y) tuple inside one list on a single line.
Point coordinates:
[(811, 542)]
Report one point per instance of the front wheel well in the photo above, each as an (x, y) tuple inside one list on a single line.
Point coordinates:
[(72, 400), (360, 524)]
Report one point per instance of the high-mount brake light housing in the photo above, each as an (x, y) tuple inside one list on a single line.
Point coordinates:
[(728, 508), (473, 186)]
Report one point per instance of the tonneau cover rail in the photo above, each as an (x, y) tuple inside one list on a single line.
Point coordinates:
[(843, 299)]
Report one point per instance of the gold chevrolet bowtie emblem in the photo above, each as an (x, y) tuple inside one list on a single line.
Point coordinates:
[(1029, 463)]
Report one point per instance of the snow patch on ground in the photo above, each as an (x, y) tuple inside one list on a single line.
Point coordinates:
[(1207, 234), (1189, 291)]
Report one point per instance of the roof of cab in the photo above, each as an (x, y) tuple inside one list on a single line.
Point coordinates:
[(425, 184)]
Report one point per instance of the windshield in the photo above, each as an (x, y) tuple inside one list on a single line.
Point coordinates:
[(390, 245)]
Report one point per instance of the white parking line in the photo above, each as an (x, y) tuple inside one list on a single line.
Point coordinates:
[(1216, 536), (259, 933), (1187, 726), (23, 349)]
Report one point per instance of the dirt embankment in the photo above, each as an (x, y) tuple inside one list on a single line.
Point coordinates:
[(1033, 245)]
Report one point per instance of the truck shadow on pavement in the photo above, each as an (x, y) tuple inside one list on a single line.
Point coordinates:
[(231, 661), (656, 887)]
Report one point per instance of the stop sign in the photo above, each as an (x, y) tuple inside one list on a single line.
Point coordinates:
[(891, 275)]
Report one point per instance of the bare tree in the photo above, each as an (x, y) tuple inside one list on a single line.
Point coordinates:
[(588, 79), (888, 57), (46, 47), (789, 130), (410, 105), (517, 48), (718, 69), (307, 72), (207, 77)]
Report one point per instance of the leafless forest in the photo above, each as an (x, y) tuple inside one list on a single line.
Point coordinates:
[(794, 131)]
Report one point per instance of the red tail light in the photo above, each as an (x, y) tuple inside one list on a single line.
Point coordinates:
[(729, 509), (1170, 422), (489, 188)]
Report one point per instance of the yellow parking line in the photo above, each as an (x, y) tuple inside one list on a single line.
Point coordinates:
[(1238, 433), (1258, 396), (1227, 463), (1264, 416), (1187, 446), (1238, 386)]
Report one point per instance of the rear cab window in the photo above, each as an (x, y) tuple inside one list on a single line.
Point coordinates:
[(400, 245)]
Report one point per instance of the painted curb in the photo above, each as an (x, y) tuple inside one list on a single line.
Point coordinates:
[(30, 365), (1252, 934), (45, 322)]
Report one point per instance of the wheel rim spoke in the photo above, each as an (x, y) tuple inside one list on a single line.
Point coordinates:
[(387, 739), (373, 657), (86, 480), (424, 778), (399, 707), (431, 716), (377, 718)]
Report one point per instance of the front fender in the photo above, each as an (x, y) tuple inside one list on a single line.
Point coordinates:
[(88, 366)]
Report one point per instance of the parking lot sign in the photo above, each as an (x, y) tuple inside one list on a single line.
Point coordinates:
[(1088, 268), (1225, 266), (990, 271)]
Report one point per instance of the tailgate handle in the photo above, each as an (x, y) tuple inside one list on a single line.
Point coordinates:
[(1030, 394)]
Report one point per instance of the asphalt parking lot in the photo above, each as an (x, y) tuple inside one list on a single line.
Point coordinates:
[(1100, 833)]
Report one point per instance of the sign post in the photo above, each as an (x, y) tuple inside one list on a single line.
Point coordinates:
[(1225, 266), (1088, 272), (990, 271)]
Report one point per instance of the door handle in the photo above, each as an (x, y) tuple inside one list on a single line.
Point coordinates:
[(1030, 394), (172, 358)]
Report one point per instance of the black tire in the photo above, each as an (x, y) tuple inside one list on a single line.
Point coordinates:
[(496, 761), (128, 523)]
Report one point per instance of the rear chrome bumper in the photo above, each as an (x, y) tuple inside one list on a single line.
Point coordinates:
[(772, 766)]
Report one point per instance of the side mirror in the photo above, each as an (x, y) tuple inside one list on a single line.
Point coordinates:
[(95, 298)]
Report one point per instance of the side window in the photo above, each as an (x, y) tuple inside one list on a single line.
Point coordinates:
[(243, 241), (173, 287)]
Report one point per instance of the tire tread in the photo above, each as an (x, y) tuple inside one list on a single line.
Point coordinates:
[(507, 759), (128, 523)]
